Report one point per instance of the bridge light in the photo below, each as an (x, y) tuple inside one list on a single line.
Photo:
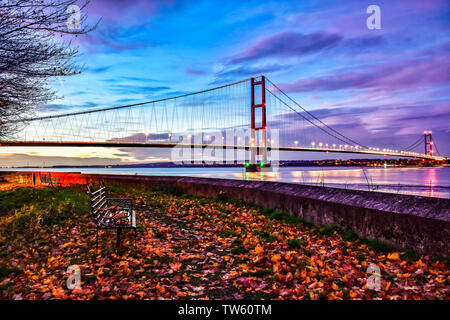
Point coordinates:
[(313, 144), (189, 135), (295, 142), (334, 145), (431, 142), (320, 144)]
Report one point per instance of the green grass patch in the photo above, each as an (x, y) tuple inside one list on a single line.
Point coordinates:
[(239, 249), (278, 215), (327, 230), (265, 236), (349, 235), (266, 212), (31, 208), (295, 243), (411, 255), (377, 246), (259, 273)]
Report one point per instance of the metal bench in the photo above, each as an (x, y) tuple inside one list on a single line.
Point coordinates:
[(51, 181), (111, 213)]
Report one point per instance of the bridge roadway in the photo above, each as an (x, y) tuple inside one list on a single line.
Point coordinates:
[(112, 144)]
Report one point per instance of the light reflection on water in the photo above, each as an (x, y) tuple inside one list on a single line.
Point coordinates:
[(424, 181)]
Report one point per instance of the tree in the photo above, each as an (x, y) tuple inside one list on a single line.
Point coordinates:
[(32, 52)]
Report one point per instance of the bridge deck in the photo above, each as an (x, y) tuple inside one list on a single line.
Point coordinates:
[(180, 145)]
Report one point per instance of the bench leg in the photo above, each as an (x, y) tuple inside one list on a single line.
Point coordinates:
[(119, 231)]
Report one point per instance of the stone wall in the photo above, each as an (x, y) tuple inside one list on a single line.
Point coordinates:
[(403, 221)]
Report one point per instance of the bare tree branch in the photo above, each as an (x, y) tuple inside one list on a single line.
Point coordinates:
[(31, 55)]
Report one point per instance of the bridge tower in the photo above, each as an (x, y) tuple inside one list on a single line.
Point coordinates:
[(258, 124), (428, 143)]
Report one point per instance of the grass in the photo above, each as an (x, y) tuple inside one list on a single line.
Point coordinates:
[(327, 230), (377, 245), (265, 236), (46, 218), (295, 243), (259, 273), (30, 209)]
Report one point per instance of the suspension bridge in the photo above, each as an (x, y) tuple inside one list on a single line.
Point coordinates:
[(273, 120)]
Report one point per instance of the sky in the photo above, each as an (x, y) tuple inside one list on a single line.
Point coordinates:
[(383, 86)]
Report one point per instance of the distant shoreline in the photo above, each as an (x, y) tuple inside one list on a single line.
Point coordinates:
[(300, 163)]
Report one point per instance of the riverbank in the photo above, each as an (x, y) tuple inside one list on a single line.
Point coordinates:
[(421, 181), (403, 221), (195, 248)]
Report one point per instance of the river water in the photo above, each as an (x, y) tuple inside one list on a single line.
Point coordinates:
[(423, 181)]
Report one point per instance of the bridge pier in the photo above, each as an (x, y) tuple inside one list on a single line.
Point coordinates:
[(255, 149)]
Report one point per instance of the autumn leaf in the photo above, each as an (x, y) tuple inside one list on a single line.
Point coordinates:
[(259, 249), (275, 258), (393, 256)]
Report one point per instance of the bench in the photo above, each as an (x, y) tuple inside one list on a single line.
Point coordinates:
[(111, 213), (51, 181)]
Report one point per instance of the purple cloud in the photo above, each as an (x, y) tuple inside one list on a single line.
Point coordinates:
[(287, 44), (116, 10), (393, 76), (293, 44), (193, 72), (244, 71)]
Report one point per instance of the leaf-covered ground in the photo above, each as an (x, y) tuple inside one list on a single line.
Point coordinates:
[(193, 248)]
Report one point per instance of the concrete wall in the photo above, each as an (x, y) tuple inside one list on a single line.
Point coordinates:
[(403, 221)]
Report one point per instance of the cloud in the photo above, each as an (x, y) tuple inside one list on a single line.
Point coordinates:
[(361, 43), (293, 44), (244, 71), (125, 9), (99, 69), (146, 154), (121, 79), (393, 76), (288, 44), (56, 107), (142, 137), (193, 72), (228, 75), (111, 39), (131, 89)]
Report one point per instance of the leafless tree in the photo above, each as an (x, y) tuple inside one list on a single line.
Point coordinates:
[(33, 50)]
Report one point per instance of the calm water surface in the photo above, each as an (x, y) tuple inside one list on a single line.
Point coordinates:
[(424, 181)]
